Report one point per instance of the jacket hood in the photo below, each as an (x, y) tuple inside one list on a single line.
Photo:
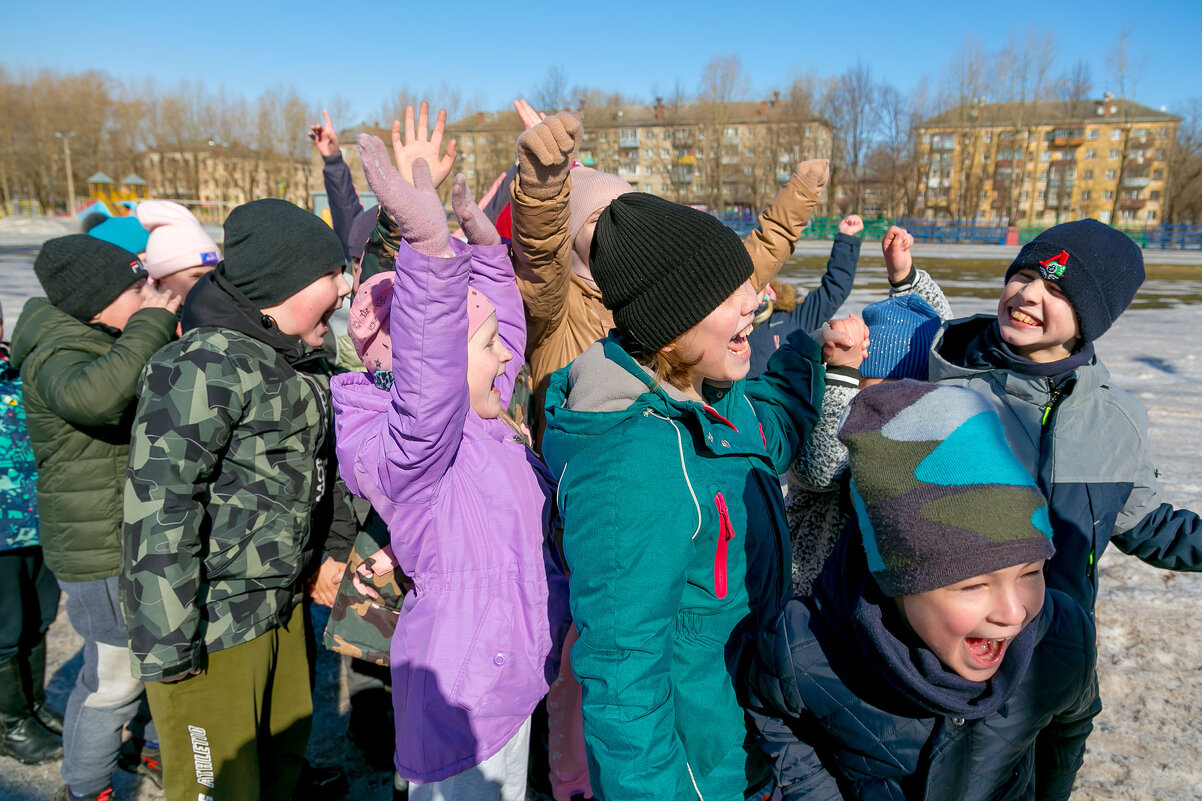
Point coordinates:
[(948, 357), (602, 388), (42, 322), (216, 303)]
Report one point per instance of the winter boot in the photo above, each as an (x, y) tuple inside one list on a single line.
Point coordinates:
[(137, 756), (35, 690), (22, 736), (64, 794)]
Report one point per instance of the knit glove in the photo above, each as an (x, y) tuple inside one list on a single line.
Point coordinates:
[(546, 153), (809, 178), (474, 222), (415, 207)]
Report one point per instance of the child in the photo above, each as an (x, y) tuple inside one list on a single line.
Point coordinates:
[(1084, 440), (466, 504), (674, 524), (781, 313), (226, 500), (178, 250), (28, 592), (80, 350), (930, 662)]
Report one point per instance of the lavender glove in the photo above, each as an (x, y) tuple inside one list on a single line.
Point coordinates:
[(415, 207), (474, 222)]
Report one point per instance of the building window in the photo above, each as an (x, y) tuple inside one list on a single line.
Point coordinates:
[(1160, 154), (1085, 194), (1089, 154), (1116, 134), (1093, 133), (1154, 195), (1157, 175), (1151, 216), (1114, 155), (988, 137), (1045, 155), (1108, 194), (1110, 175), (1104, 217)]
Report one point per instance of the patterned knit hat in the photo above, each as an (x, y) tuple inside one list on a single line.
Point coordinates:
[(939, 496), (662, 267), (1098, 268), (900, 331)]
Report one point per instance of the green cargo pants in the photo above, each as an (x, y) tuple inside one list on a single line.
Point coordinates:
[(238, 730)]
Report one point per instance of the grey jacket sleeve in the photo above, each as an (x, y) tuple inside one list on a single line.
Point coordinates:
[(822, 457), (919, 282)]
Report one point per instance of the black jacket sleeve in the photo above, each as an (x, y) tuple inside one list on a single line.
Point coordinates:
[(344, 200), (821, 304)]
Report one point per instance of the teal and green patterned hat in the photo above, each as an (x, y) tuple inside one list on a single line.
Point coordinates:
[(939, 496)]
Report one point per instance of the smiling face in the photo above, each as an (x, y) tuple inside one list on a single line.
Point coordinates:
[(307, 313), (718, 344), (486, 360), (1036, 319), (969, 625)]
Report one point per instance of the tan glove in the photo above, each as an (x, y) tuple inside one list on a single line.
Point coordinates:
[(546, 153)]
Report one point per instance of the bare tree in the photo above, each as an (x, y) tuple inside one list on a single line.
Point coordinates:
[(1184, 191), (1124, 71), (722, 83), (552, 93), (851, 106)]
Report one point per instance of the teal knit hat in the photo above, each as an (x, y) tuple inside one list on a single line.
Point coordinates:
[(938, 494)]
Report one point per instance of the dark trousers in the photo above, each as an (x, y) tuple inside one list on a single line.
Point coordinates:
[(28, 600)]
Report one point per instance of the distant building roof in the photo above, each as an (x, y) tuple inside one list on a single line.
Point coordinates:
[(133, 179), (100, 178), (1049, 112), (634, 115)]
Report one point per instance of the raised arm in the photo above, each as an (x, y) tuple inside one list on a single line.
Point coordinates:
[(905, 278), (336, 175), (823, 303), (542, 247), (89, 390), (780, 225)]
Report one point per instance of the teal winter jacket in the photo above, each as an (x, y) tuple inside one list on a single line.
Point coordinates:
[(675, 535)]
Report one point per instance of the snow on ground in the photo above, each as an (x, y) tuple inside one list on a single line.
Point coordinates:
[(1145, 744)]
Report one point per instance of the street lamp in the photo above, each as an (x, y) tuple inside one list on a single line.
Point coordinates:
[(70, 178)]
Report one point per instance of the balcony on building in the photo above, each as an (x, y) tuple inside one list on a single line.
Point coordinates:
[(628, 140), (1136, 181), (1067, 137), (943, 142), (628, 170), (1132, 203)]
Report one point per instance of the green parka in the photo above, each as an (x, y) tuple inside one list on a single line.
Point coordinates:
[(675, 535), (79, 383)]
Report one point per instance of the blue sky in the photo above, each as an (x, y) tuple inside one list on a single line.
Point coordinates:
[(497, 50)]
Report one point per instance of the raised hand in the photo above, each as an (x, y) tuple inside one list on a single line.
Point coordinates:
[(323, 136), (527, 114), (896, 246), (415, 206), (421, 143), (155, 298), (474, 222), (814, 173), (546, 153), (845, 344), (851, 225)]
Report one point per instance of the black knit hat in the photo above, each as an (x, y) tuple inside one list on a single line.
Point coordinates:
[(662, 267), (82, 274), (274, 249), (1098, 268)]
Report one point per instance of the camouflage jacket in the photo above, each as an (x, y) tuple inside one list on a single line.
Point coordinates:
[(228, 478), (18, 473)]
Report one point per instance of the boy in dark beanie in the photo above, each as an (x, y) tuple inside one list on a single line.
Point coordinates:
[(80, 350), (227, 495), (1084, 440), (930, 660)]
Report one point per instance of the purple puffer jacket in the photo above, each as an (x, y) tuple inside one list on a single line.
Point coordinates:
[(467, 506)]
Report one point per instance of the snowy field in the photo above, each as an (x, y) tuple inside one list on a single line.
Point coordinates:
[(1146, 743)]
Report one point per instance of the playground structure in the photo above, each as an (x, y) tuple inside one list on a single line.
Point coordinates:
[(112, 198)]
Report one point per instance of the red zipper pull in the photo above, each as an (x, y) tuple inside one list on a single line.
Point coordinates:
[(726, 533)]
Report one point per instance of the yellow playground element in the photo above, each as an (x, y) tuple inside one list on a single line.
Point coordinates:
[(117, 197)]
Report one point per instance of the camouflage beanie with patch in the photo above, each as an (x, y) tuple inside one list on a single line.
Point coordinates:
[(939, 496), (1098, 268)]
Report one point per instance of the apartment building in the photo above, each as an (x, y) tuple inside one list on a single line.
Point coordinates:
[(211, 174), (1036, 164), (729, 156)]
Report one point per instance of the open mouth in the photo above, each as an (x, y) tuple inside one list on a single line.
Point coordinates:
[(986, 651), (1025, 320), (738, 346)]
